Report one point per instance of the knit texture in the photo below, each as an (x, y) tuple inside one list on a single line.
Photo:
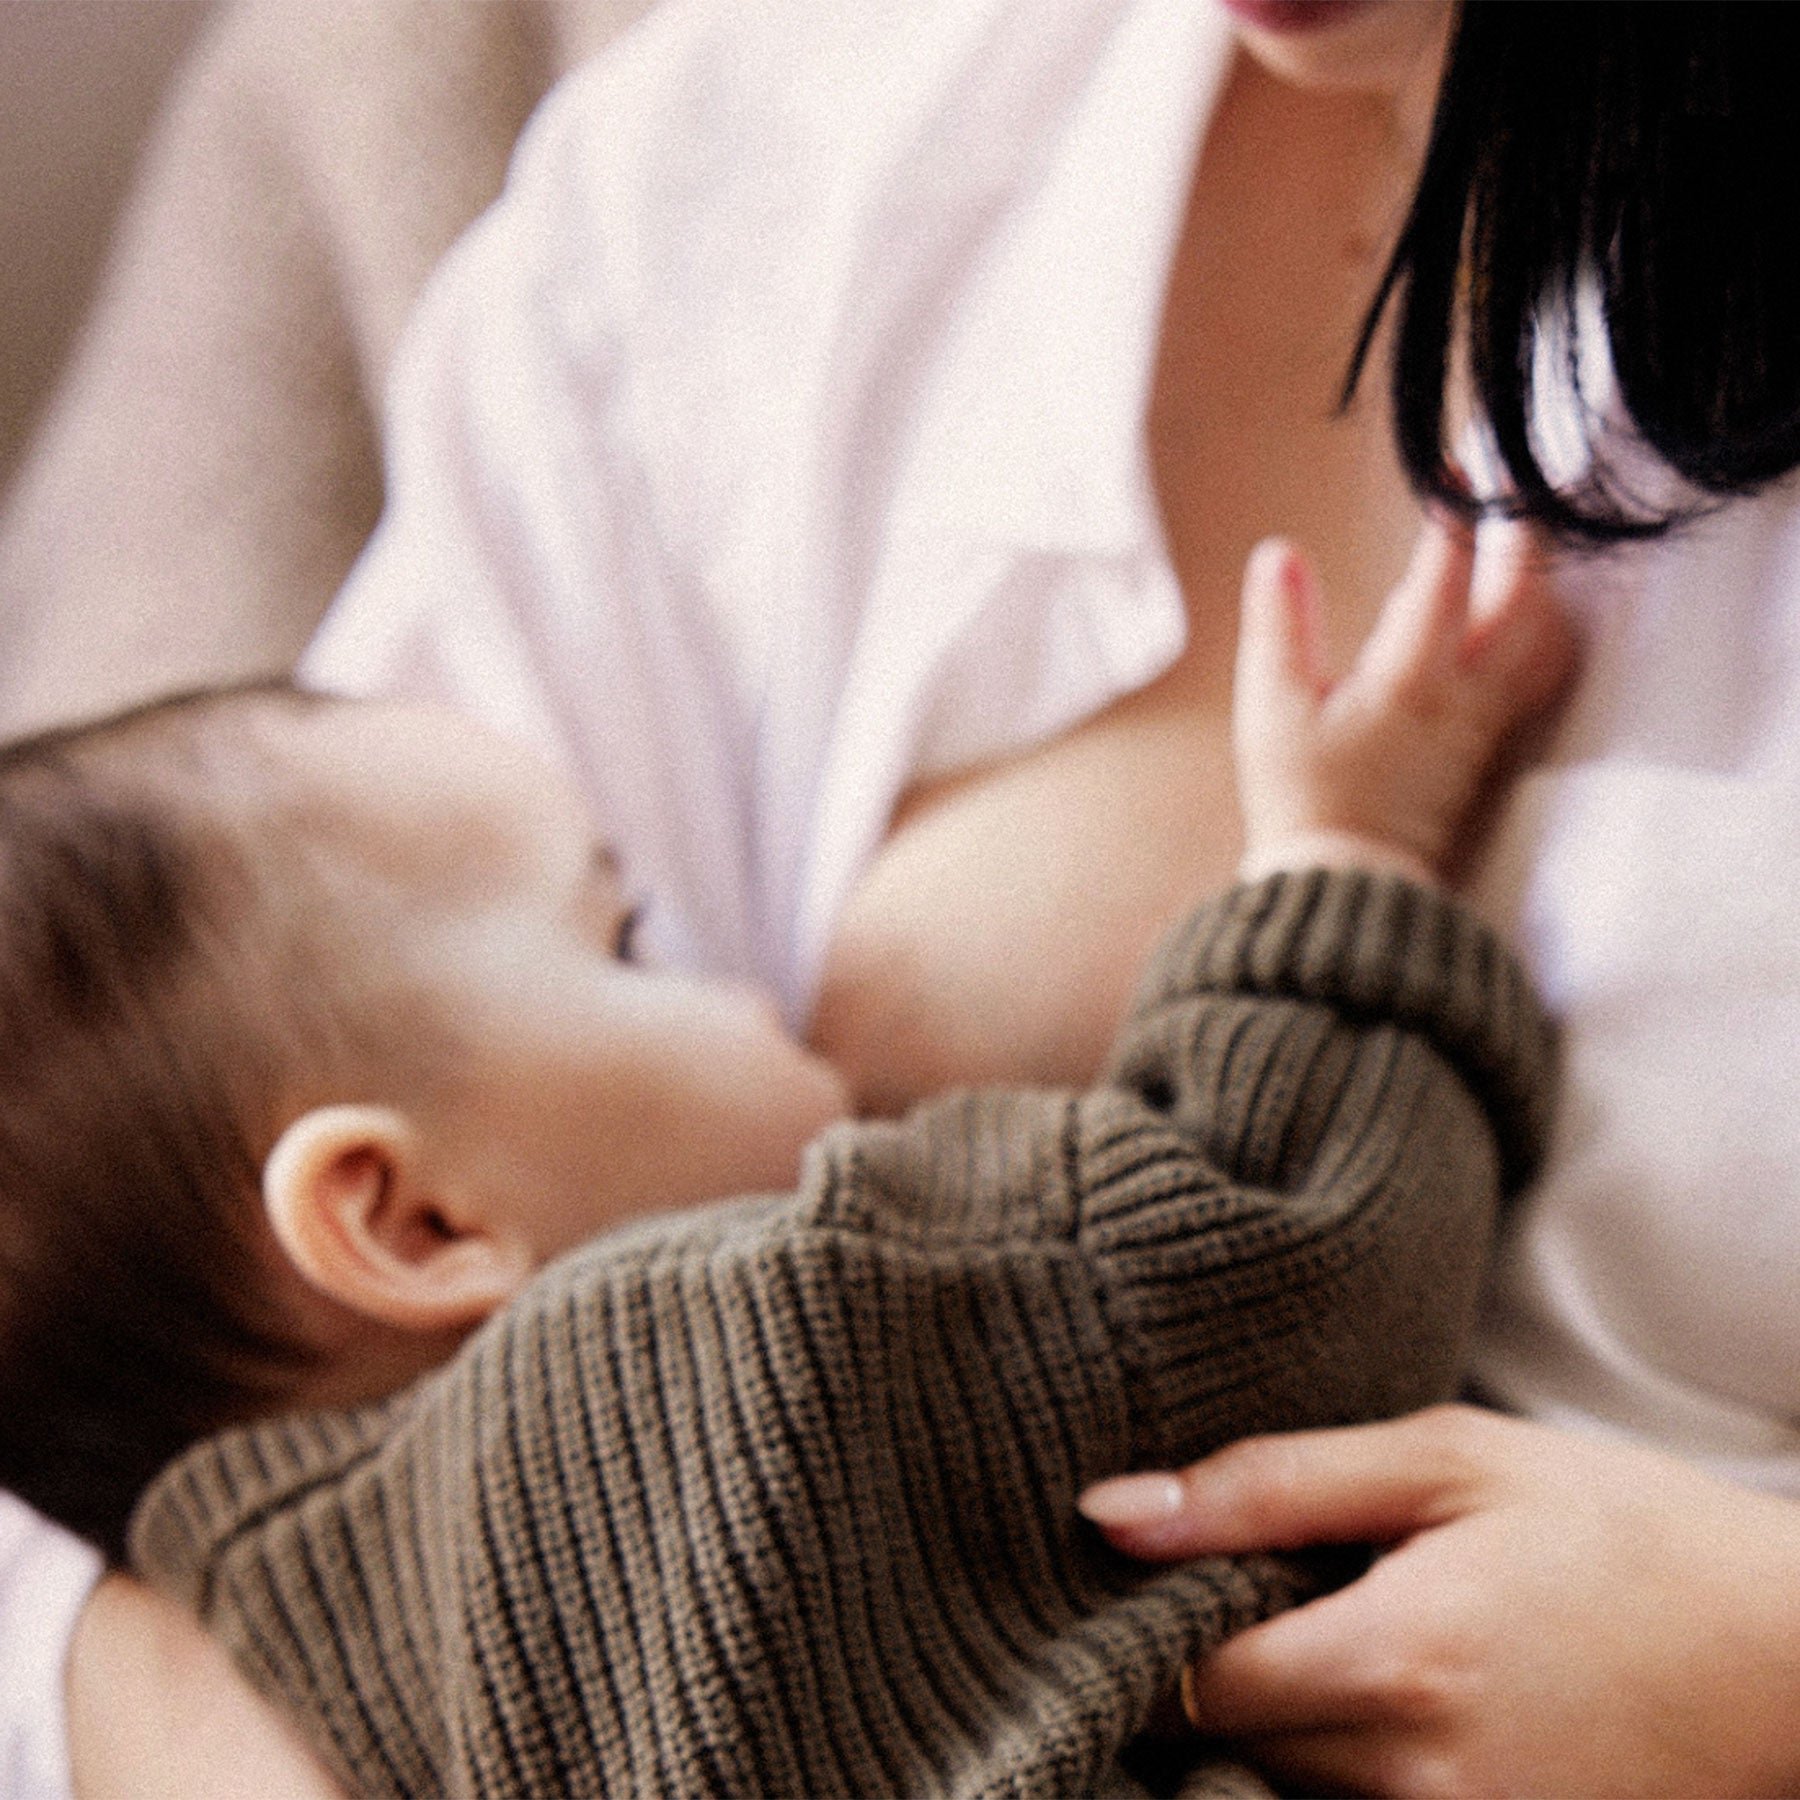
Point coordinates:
[(778, 1497)]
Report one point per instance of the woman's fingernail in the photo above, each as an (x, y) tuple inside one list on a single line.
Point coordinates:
[(1132, 1500)]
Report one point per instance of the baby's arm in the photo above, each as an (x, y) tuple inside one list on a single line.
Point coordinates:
[(1390, 767), (1334, 1074)]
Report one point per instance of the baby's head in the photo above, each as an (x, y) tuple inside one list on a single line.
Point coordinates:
[(318, 1036)]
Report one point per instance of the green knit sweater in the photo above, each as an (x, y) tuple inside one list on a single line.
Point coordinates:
[(778, 1497)]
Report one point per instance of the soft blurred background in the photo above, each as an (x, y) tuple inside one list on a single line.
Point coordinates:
[(182, 505), (79, 84)]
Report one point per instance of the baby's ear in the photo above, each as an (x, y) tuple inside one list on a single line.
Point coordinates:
[(347, 1199)]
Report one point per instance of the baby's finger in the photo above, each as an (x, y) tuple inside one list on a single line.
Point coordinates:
[(1422, 623), (1522, 645), (1279, 674)]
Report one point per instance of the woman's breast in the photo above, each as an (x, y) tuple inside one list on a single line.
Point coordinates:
[(998, 933)]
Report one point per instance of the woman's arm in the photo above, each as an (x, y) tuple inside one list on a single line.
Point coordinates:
[(1555, 1615), (156, 1710)]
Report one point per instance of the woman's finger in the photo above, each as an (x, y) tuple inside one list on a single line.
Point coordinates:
[(1357, 1484), (1299, 1671), (1329, 1761), (1592, 1616)]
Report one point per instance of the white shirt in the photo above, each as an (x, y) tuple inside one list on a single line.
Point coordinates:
[(1652, 876), (778, 439), (716, 470)]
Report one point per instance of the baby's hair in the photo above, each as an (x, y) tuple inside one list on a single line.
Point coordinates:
[(138, 921)]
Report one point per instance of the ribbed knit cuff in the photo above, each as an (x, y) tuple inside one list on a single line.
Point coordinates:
[(221, 1488), (1377, 947)]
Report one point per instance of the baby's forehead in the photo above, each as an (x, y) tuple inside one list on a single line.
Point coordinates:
[(410, 795)]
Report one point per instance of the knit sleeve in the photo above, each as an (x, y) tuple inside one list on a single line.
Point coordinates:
[(1285, 1189), (1328, 1084), (748, 1503)]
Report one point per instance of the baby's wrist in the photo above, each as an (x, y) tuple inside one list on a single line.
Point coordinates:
[(1329, 849)]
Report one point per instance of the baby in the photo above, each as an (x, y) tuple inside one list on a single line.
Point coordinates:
[(324, 1044)]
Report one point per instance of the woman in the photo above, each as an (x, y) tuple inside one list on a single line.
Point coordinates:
[(1561, 1613), (958, 359), (965, 350)]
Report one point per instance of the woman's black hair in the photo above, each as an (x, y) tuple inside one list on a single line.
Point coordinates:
[(1652, 150)]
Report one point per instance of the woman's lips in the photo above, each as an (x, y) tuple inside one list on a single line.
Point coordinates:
[(1286, 16)]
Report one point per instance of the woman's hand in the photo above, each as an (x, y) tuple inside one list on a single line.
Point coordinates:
[(1555, 1615)]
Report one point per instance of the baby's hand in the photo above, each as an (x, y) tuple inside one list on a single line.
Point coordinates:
[(1389, 766)]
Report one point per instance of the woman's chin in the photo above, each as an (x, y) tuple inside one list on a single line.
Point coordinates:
[(1368, 46), (1293, 18)]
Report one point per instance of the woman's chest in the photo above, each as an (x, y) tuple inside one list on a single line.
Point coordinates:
[(999, 929), (997, 933)]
